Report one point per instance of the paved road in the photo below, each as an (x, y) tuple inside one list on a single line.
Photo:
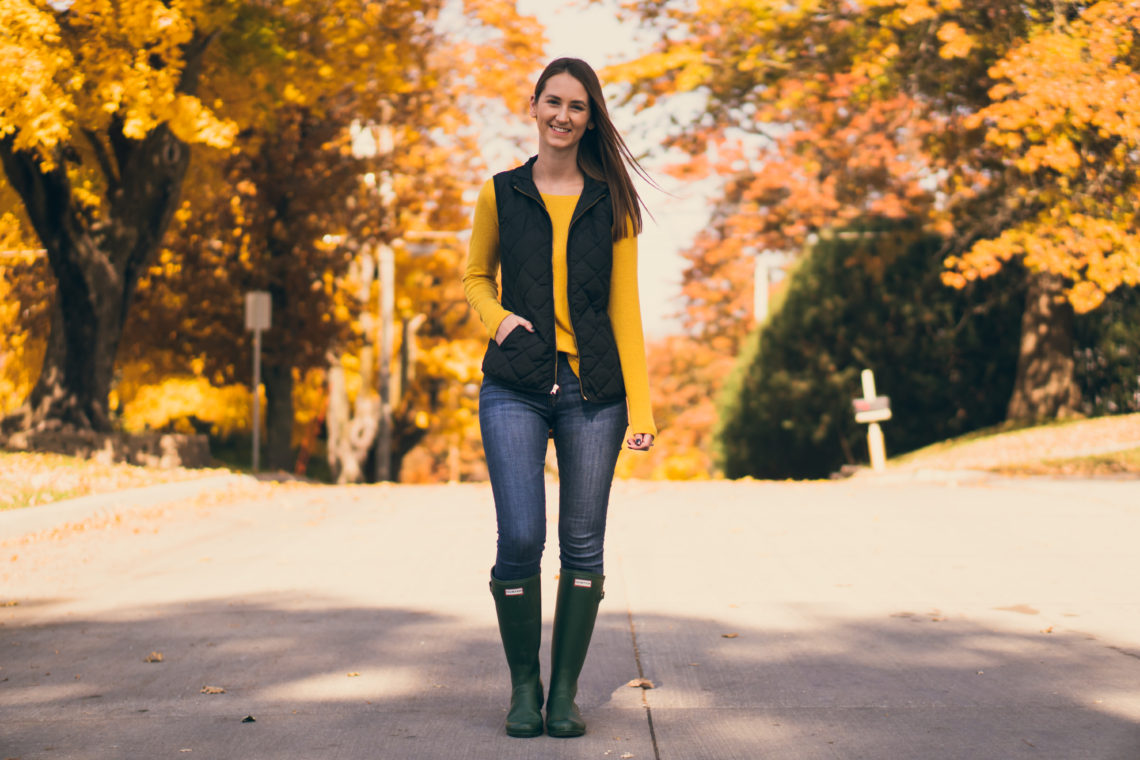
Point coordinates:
[(874, 618)]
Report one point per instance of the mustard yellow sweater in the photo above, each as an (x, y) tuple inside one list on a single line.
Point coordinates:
[(480, 283)]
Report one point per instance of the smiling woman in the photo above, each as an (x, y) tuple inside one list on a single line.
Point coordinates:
[(565, 360)]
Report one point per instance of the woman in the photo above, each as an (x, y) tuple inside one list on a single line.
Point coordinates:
[(566, 361)]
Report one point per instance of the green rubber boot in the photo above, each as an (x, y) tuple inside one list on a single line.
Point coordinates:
[(577, 608), (518, 605)]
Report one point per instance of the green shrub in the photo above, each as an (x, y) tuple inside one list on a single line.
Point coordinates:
[(1108, 355), (870, 298)]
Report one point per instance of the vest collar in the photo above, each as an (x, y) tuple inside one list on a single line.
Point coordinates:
[(522, 178)]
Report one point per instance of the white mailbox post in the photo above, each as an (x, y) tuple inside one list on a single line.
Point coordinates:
[(258, 317), (871, 410)]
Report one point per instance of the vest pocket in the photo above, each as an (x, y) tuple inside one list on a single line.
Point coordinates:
[(522, 359)]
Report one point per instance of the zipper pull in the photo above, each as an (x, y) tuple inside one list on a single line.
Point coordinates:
[(554, 390)]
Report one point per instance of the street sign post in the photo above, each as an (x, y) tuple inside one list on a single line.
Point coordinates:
[(258, 317), (871, 410)]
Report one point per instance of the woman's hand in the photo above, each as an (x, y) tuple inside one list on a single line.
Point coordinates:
[(510, 322), (640, 441)]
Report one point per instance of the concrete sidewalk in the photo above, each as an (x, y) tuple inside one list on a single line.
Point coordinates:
[(861, 619)]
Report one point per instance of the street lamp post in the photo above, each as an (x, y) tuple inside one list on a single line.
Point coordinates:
[(386, 263)]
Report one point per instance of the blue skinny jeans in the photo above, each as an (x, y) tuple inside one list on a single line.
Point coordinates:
[(516, 426)]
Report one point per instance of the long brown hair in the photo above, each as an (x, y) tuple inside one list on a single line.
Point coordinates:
[(602, 153)]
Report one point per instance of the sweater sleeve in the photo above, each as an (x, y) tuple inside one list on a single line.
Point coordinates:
[(480, 280), (625, 315)]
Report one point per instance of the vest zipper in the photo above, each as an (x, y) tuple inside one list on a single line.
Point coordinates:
[(569, 231)]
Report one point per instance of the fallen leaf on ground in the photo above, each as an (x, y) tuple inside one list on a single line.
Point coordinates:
[(153, 657), (643, 683), (249, 719), (1047, 630), (353, 674), (626, 755), (729, 635), (213, 690)]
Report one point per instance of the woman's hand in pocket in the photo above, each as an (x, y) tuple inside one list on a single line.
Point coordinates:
[(509, 323)]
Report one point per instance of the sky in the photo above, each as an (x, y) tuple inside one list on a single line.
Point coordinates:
[(595, 34)]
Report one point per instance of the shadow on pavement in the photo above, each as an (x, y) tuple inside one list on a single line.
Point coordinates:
[(320, 681), (323, 680), (907, 686)]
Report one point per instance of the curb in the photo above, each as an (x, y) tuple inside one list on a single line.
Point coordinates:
[(921, 475), (16, 523)]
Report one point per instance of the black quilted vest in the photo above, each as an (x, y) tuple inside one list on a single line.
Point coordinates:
[(526, 360)]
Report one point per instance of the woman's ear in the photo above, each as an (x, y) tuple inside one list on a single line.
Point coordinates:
[(533, 113)]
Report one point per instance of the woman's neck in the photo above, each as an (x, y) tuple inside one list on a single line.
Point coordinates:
[(557, 173)]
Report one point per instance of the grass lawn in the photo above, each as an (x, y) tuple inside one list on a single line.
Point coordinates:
[(31, 478), (1097, 446), (1125, 462)]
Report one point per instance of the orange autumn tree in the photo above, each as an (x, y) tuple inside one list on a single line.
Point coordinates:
[(822, 113), (1067, 157), (780, 168)]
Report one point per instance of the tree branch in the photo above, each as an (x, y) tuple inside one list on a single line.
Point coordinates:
[(121, 145), (195, 52), (46, 196), (103, 158)]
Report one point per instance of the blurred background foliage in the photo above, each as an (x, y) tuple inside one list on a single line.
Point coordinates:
[(945, 177)]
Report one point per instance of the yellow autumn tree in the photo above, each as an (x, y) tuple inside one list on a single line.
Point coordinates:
[(25, 292), (98, 108), (300, 205), (97, 130)]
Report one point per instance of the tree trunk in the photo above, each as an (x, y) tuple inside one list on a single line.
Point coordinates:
[(278, 417), (405, 437), (97, 261), (1045, 387), (97, 256), (350, 433)]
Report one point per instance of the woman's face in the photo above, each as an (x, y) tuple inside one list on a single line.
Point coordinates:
[(562, 111)]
